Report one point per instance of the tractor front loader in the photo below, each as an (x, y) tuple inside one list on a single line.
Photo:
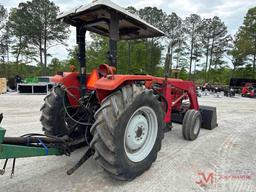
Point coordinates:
[(121, 118)]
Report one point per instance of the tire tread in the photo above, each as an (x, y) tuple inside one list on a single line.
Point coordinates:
[(103, 130)]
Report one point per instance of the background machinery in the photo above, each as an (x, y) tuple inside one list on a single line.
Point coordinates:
[(121, 118), (247, 87), (249, 90)]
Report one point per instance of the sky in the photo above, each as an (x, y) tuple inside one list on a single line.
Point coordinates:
[(231, 12)]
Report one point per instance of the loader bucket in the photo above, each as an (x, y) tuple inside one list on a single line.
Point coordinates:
[(209, 117)]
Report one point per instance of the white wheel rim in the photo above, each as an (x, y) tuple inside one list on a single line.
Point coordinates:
[(140, 134), (197, 126)]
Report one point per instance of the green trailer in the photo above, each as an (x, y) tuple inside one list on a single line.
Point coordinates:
[(10, 150), (26, 146), (36, 145)]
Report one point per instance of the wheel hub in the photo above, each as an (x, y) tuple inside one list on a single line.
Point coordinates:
[(136, 132), (140, 134)]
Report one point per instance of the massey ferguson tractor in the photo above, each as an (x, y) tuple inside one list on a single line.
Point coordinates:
[(120, 118)]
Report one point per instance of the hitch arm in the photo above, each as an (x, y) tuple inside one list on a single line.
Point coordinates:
[(19, 151), (8, 151)]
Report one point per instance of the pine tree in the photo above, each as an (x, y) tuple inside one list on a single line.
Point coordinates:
[(193, 27), (247, 39), (34, 23)]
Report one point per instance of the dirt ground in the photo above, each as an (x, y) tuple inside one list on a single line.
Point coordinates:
[(223, 159)]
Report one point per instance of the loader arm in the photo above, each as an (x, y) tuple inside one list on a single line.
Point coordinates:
[(190, 89)]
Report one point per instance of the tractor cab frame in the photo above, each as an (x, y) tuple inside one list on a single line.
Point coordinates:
[(108, 19)]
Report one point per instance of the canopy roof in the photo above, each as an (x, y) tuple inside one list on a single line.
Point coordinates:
[(97, 14)]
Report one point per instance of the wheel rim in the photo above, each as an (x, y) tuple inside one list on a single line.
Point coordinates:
[(197, 126), (140, 134)]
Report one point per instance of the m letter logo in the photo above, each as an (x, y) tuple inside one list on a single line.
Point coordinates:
[(205, 179)]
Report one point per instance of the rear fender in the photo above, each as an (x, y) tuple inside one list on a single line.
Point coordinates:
[(72, 84), (107, 85)]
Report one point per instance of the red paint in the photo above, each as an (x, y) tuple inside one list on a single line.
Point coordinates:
[(173, 90), (249, 90)]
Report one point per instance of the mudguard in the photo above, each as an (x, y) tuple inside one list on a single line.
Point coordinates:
[(72, 84), (111, 83), (106, 85)]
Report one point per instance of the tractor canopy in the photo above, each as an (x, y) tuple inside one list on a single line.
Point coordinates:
[(97, 17)]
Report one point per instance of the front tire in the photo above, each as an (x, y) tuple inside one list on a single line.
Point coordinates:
[(128, 113), (191, 124)]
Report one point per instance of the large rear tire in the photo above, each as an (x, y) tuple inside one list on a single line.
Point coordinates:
[(128, 131), (56, 122), (53, 113)]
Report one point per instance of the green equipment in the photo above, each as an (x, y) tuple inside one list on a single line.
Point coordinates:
[(31, 145), (35, 145)]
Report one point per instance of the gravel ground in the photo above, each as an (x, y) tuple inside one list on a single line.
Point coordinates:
[(224, 159)]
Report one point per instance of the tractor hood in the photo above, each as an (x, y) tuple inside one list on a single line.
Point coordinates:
[(96, 17)]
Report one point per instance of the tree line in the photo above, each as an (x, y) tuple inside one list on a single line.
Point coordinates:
[(29, 31), (201, 48)]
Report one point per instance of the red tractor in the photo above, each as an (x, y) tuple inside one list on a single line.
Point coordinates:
[(121, 118), (249, 90)]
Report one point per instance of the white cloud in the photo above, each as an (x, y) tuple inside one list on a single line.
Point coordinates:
[(183, 7), (145, 3), (231, 12)]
